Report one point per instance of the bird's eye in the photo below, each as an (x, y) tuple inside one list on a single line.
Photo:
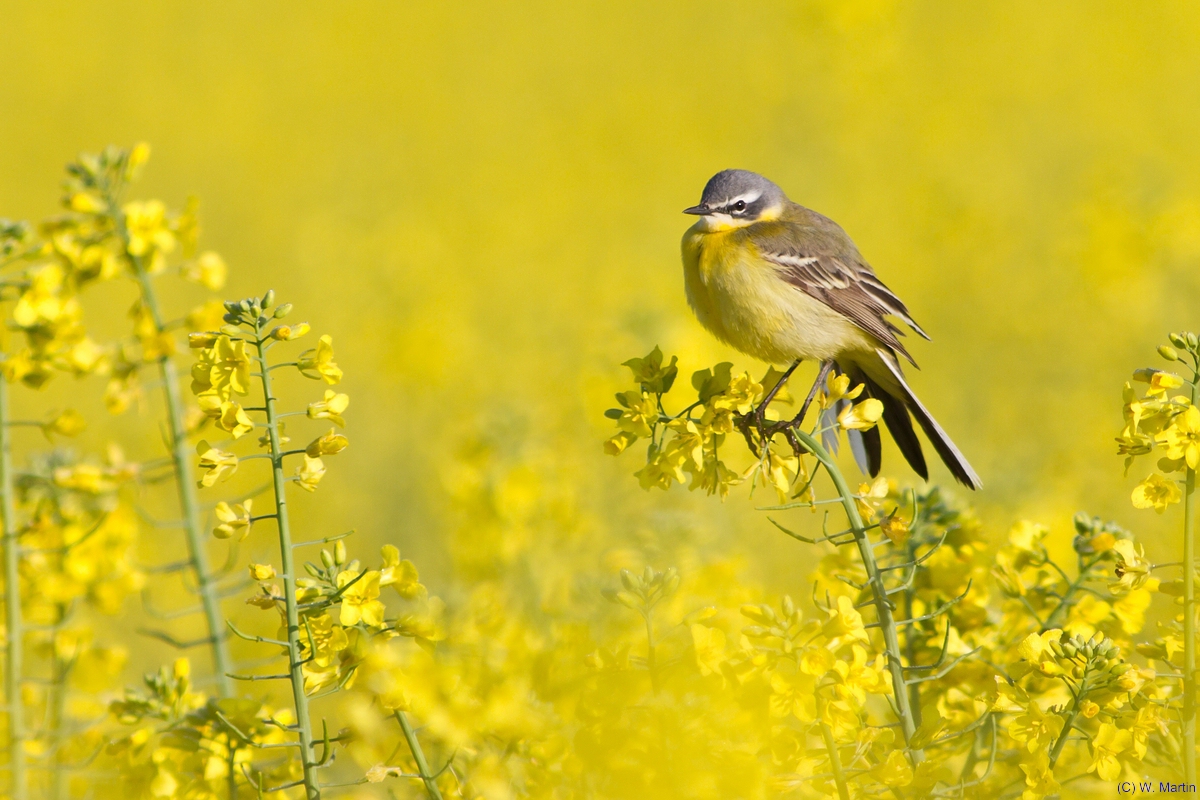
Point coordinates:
[(739, 206)]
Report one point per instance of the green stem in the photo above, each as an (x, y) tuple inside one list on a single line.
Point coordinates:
[(1189, 622), (835, 762), (181, 458), (1065, 733), (414, 746), (651, 656), (58, 703), (295, 662), (914, 690), (15, 639), (883, 608)]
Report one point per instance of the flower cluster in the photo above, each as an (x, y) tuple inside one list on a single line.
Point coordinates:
[(1161, 419), (687, 444)]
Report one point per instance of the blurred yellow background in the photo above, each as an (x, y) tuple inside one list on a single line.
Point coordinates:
[(481, 203)]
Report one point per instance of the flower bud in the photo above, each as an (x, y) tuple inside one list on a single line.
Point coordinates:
[(330, 444), (1177, 340), (1057, 648), (285, 333), (788, 606), (327, 559), (339, 552), (268, 299), (1168, 353), (202, 341), (283, 311), (629, 581), (1069, 650), (1191, 340)]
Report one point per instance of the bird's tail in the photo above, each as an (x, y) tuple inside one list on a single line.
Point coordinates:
[(881, 375)]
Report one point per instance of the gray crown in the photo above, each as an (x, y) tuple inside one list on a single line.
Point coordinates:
[(729, 184)]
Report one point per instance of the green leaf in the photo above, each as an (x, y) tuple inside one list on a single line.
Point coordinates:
[(710, 383)]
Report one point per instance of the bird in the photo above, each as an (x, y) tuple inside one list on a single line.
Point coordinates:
[(785, 284)]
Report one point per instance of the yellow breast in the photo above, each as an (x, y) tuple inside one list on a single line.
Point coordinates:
[(744, 301)]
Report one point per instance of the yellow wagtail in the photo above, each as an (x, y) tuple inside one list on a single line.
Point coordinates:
[(783, 284)]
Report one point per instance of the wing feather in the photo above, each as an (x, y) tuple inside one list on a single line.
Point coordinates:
[(842, 281)]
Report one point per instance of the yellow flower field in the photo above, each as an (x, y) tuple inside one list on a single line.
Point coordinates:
[(356, 438)]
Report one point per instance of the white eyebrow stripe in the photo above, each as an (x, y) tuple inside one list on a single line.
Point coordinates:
[(747, 198)]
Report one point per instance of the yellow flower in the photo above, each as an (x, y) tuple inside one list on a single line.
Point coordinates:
[(400, 574), (43, 302), (896, 771), (222, 368), (1085, 615), (146, 224), (309, 475), (68, 423), (320, 361), (330, 444), (640, 414), (857, 677), (218, 465), (1132, 569), (845, 621), (793, 694), (261, 572), (660, 471), (202, 340), (870, 496), (326, 641), (1039, 778), (331, 408), (208, 270), (650, 372), (619, 443), (1035, 729), (1130, 610), (206, 317), (709, 646), (229, 414), (1159, 381), (284, 333), (360, 602), (715, 478), (235, 520), (837, 387), (1036, 650), (1156, 492), (1108, 744), (862, 416), (1027, 536), (1183, 438), (894, 528)]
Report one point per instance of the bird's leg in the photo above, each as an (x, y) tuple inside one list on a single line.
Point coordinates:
[(826, 367), (761, 411)]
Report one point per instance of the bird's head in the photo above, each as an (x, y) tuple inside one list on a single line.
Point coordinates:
[(735, 198)]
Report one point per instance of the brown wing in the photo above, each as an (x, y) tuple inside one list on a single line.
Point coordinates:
[(844, 283)]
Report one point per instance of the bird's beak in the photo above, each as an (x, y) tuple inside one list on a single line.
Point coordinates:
[(698, 211)]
